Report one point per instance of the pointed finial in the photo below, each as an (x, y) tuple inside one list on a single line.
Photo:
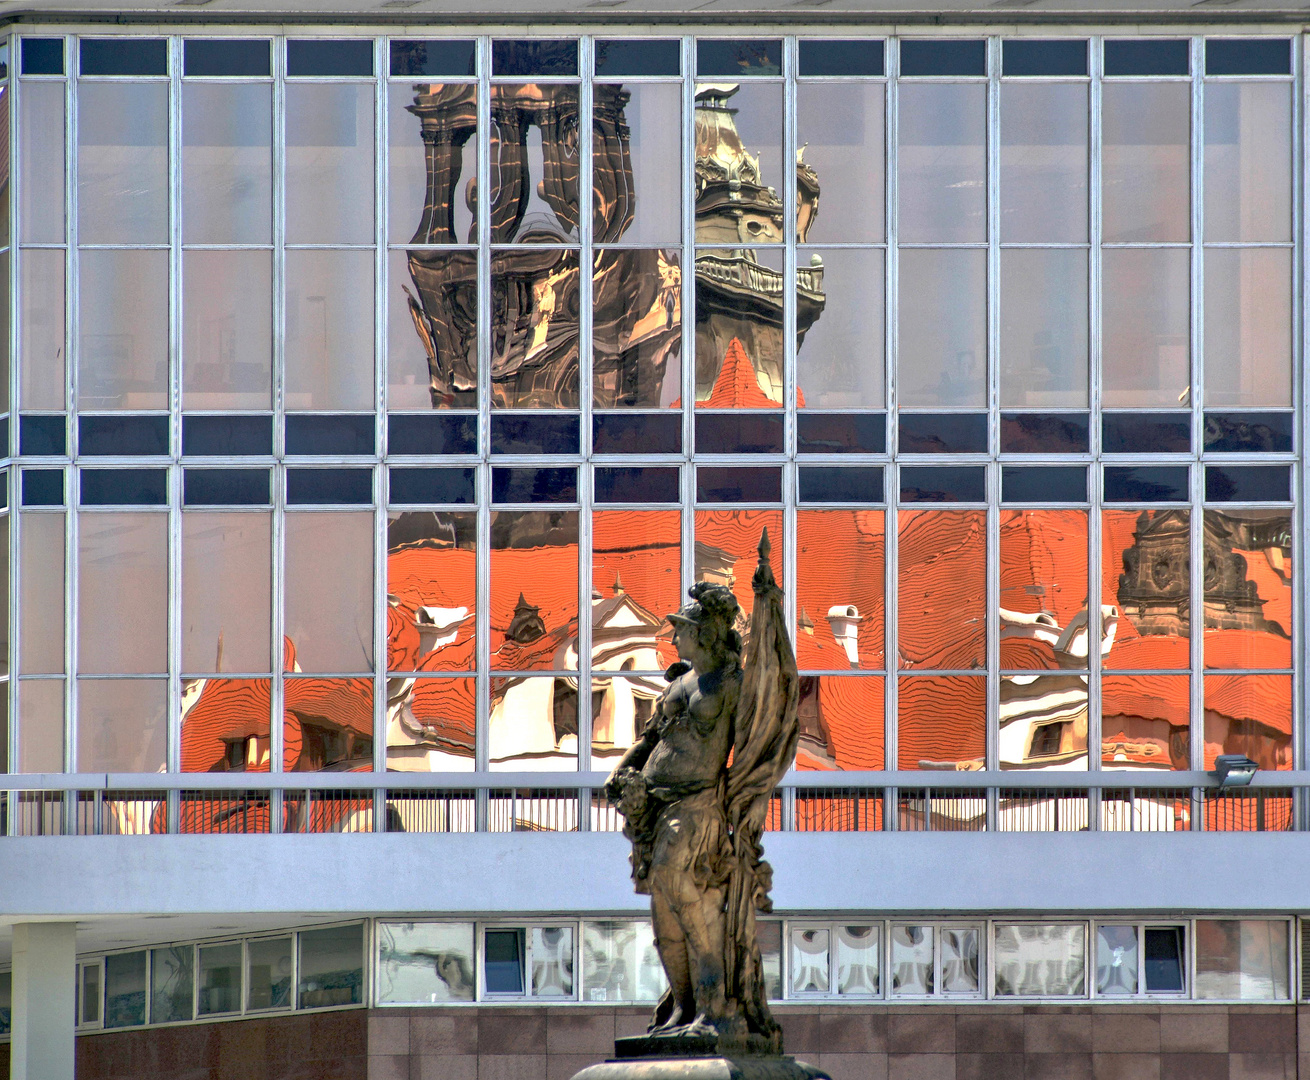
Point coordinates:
[(617, 587), (765, 547)]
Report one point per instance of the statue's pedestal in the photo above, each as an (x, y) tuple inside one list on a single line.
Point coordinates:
[(691, 1057)]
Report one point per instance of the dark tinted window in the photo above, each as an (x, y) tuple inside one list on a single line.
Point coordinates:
[(124, 487), (1036, 484), (340, 57), (966, 483), (1147, 57), (1146, 433), (1044, 433), (924, 57), (219, 436), (841, 484), (502, 961), (636, 433), (1248, 483), (634, 56), (1229, 433), (43, 487), (730, 57), (421, 486), (618, 484), (427, 433), (824, 57), (1248, 56), (308, 487), (738, 433), (225, 487), (40, 435), (528, 58), (1150, 483), (444, 59), (239, 56), (534, 485), (516, 434), (1024, 56), (943, 433), (124, 56), (1164, 958), (738, 485), (43, 56), (329, 433), (140, 435), (841, 433)]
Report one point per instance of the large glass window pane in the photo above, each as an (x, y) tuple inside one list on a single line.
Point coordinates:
[(943, 162), (1251, 715), (1145, 589), (942, 725), (227, 163), (1248, 326), (41, 594), (1164, 958), (124, 329), (839, 589), (1144, 322), (1042, 723), (534, 163), (425, 963), (636, 328), (328, 725), (502, 961), (431, 587), (329, 167), (1116, 960), (912, 966), (41, 369), (329, 330), (534, 329), (1248, 589), (1044, 327), (122, 162), (534, 724), (225, 726), (534, 590), (433, 163), (739, 347), (331, 967), (840, 357), (125, 990), (810, 951), (727, 549), (41, 162), (1036, 960), (1241, 959), (943, 571), (1145, 724), (857, 960), (226, 592), (959, 960), (739, 140), (841, 727), (122, 597), (172, 972), (121, 725), (636, 559), (619, 961), (942, 357), (551, 949), (220, 979), (41, 725), (839, 126), (268, 973), (1248, 161), (1145, 172), (329, 630), (1043, 162), (227, 329), (1043, 588), (636, 151), (432, 360), (89, 993)]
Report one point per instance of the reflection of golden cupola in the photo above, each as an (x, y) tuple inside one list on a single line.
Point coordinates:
[(733, 204)]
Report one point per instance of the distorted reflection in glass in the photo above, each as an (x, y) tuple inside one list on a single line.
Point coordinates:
[(912, 961), (41, 594), (329, 163), (942, 568), (227, 163), (1145, 155), (220, 979), (431, 590), (534, 163), (1042, 721), (125, 989), (123, 329), (121, 725), (331, 966), (432, 163), (839, 129), (727, 551), (1248, 589), (839, 589), (739, 342), (534, 726), (1043, 182), (1116, 960), (1242, 959), (551, 952), (227, 329), (329, 726), (329, 329), (841, 720), (1146, 329), (941, 724), (621, 708), (425, 963), (943, 158), (227, 585), (768, 933), (1145, 721), (432, 343), (534, 329), (739, 161), (636, 328), (1044, 327), (41, 372), (534, 589), (172, 972), (809, 960), (430, 726), (122, 593), (636, 561), (41, 163), (122, 162), (619, 961), (329, 591), (636, 162), (857, 960), (225, 725), (1248, 161), (1145, 589), (1251, 715), (41, 725), (959, 960), (268, 973), (1248, 326), (1040, 960), (1043, 589), (839, 360), (942, 358)]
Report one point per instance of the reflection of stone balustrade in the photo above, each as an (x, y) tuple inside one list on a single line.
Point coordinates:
[(742, 273)]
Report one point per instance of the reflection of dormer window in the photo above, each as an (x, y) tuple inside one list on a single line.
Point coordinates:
[(526, 626), (1046, 740)]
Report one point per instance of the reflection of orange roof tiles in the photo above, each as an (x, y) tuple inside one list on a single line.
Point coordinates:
[(433, 576), (226, 708), (942, 718), (852, 707), (1148, 697), (546, 576), (1166, 651), (839, 561), (402, 638), (738, 532), (1118, 532), (1263, 699), (1246, 649), (737, 386), (1274, 589), (446, 708), (943, 560)]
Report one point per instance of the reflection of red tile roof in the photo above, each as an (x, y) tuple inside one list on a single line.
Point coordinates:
[(839, 561), (1148, 697), (1272, 587), (1246, 649), (853, 709), (226, 708), (1166, 651), (446, 708), (942, 563), (737, 386), (738, 532), (547, 577), (942, 719), (1262, 699)]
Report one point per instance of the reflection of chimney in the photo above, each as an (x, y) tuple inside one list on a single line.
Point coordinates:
[(805, 623), (845, 621)]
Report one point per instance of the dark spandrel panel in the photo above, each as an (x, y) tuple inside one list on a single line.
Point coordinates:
[(339, 57), (226, 487), (841, 433), (1044, 433), (1147, 57), (221, 436), (41, 435), (824, 57), (1259, 433), (636, 433), (234, 56), (1248, 56), (316, 487), (105, 435), (1146, 483), (931, 483), (330, 433), (442, 59), (512, 434), (1146, 433), (738, 433), (636, 56), (423, 433), (617, 484), (43, 56), (1248, 483), (511, 59), (1043, 484), (841, 484), (43, 487), (534, 485), (730, 57), (925, 57), (124, 56), (729, 485), (411, 486), (943, 433), (124, 487), (1023, 56)]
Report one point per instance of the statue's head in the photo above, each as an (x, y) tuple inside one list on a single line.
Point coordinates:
[(707, 625)]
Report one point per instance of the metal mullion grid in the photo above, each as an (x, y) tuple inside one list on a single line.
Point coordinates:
[(8, 748), (482, 612), (72, 354), (790, 475), (991, 373), (586, 261), (173, 616), (688, 259), (1095, 576), (277, 663), (381, 192), (1196, 586), (891, 471), (1300, 398)]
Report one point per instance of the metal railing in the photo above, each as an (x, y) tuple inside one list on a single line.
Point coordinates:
[(99, 804)]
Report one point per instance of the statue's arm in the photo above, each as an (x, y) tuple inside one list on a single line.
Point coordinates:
[(636, 756)]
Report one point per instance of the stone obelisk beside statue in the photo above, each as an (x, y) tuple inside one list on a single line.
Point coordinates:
[(694, 792)]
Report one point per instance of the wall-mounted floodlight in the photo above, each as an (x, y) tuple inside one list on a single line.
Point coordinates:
[(1234, 770)]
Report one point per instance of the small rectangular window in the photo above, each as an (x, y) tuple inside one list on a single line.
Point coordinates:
[(1255, 432), (1163, 959), (124, 487), (41, 436), (626, 57), (518, 434), (1025, 56), (922, 56), (739, 433), (268, 973), (43, 487), (841, 484), (419, 486), (143, 436), (636, 433), (1040, 960), (330, 57), (223, 436), (43, 56), (440, 59), (1044, 433), (619, 961), (638, 485), (1116, 960), (1248, 56), (329, 433), (220, 980), (512, 59), (172, 971), (835, 57), (1056, 484), (425, 963), (942, 433), (841, 433), (424, 433), (1160, 483), (310, 487), (733, 57), (502, 961), (88, 993), (125, 990), (1147, 56), (124, 56), (225, 487), (738, 485), (962, 483), (1248, 483), (1146, 433), (331, 967), (234, 56), (534, 485), (1242, 959)]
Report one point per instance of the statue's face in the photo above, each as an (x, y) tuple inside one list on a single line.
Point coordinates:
[(686, 641)]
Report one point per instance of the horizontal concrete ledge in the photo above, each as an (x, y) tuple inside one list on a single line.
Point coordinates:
[(587, 873)]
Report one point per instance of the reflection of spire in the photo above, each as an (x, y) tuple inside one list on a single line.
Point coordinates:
[(805, 623), (526, 626), (617, 587)]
